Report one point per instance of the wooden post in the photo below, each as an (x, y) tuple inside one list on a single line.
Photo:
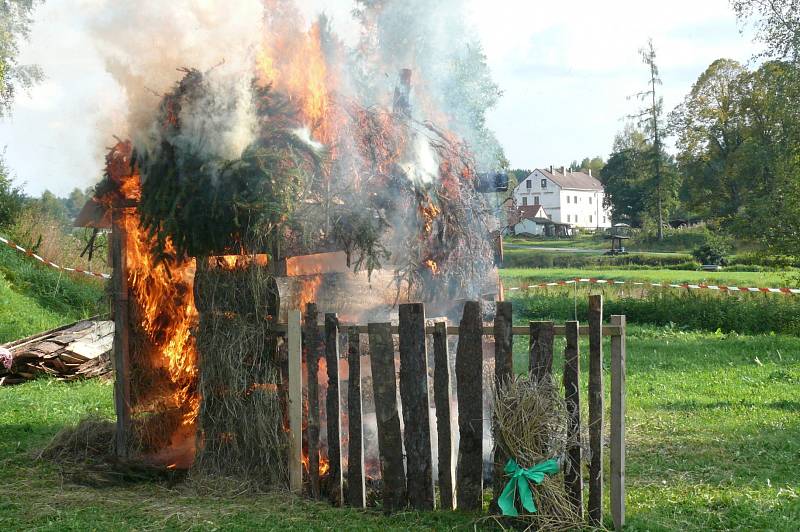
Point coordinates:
[(295, 402), (355, 443), (441, 398), (390, 441), (312, 351), (541, 348), (573, 478), (618, 424), (503, 371), (596, 409), (332, 410), (469, 383), (416, 408), (122, 382)]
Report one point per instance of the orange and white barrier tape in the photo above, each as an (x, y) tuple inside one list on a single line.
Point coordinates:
[(690, 286), (52, 264)]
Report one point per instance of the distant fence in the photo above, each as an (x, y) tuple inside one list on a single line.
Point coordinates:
[(413, 484), (687, 286)]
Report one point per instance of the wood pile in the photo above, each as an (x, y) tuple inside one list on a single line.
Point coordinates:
[(76, 351)]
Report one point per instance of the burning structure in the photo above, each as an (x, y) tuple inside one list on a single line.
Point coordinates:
[(298, 177)]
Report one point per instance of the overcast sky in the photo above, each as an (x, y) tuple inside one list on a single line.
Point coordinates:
[(567, 70)]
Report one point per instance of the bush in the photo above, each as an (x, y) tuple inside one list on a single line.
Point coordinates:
[(714, 251)]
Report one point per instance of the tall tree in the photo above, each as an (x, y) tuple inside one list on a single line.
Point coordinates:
[(777, 25), (625, 176), (15, 23), (651, 119)]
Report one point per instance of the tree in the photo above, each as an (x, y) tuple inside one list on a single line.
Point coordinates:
[(777, 25), (651, 119), (12, 199), (624, 176), (594, 164), (15, 22), (710, 126)]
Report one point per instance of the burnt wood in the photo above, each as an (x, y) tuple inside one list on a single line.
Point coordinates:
[(416, 407), (573, 479), (332, 409), (312, 349), (596, 409), (541, 348), (355, 442), (469, 385), (390, 441), (503, 371), (441, 399)]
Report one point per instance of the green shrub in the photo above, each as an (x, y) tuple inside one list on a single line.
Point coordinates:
[(714, 251)]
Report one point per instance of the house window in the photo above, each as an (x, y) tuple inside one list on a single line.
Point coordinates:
[(576, 199), (590, 218), (528, 183), (604, 219), (536, 200), (524, 201), (544, 183), (567, 199), (576, 218), (590, 200), (568, 218)]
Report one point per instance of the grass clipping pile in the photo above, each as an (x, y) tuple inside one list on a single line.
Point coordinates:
[(241, 416), (531, 427)]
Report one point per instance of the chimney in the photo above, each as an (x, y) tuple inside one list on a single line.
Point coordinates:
[(563, 170), (551, 168)]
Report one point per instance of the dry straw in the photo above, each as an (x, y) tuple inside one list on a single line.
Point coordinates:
[(531, 427)]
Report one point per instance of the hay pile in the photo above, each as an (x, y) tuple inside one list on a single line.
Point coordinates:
[(531, 427), (241, 426)]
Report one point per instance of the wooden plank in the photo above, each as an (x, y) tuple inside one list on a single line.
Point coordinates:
[(541, 348), (617, 448), (596, 409), (469, 385), (416, 407), (332, 409), (295, 402), (356, 493), (312, 348), (503, 371), (573, 479), (442, 399), (119, 281), (390, 441), (558, 330)]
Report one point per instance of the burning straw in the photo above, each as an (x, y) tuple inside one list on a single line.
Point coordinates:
[(531, 427)]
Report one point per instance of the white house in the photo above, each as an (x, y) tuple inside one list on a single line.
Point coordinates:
[(574, 198)]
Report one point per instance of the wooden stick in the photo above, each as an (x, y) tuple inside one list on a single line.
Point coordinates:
[(332, 409), (503, 371), (295, 402), (541, 348), (596, 409), (312, 350), (416, 408), (442, 398), (122, 382), (355, 443), (573, 479), (390, 441), (469, 383), (618, 424)]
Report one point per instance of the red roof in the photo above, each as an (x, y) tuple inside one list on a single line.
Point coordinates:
[(525, 212)]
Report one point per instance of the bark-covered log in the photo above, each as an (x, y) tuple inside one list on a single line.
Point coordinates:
[(469, 382)]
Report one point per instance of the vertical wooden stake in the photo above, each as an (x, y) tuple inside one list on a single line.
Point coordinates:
[(295, 402), (469, 384), (573, 478), (503, 371), (390, 442), (441, 398), (355, 443), (618, 424), (596, 409), (416, 408), (122, 382), (312, 351), (332, 410), (541, 348)]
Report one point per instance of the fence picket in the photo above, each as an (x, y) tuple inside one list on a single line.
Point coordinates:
[(469, 383), (573, 479), (332, 408), (617, 448), (355, 443), (442, 398), (312, 349), (503, 371), (596, 409)]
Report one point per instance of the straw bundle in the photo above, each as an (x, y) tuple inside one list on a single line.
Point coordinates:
[(531, 426)]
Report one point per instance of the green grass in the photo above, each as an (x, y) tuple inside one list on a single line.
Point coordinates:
[(713, 442), (770, 279), (34, 298)]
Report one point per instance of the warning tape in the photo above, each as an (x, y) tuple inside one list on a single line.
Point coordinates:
[(690, 286), (52, 264)]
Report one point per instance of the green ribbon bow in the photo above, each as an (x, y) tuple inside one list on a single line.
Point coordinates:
[(521, 479)]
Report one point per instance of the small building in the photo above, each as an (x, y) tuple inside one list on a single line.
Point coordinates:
[(569, 197)]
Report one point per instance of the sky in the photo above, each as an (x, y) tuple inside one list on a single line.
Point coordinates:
[(568, 71)]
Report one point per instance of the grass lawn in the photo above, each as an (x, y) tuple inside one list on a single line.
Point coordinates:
[(713, 443), (769, 279)]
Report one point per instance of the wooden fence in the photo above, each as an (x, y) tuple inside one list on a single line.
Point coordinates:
[(413, 485)]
